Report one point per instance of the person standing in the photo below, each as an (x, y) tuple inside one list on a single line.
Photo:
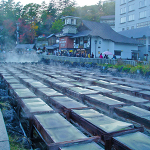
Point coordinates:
[(101, 56), (92, 55), (114, 57)]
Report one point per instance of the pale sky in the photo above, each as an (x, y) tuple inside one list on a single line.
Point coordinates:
[(79, 2)]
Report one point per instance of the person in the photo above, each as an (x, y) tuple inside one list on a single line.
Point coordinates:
[(82, 54), (89, 55), (101, 56), (92, 55), (105, 56), (114, 57)]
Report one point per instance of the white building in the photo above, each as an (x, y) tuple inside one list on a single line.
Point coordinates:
[(94, 37), (132, 15)]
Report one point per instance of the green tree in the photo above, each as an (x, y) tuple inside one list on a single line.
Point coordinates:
[(48, 16), (69, 11), (57, 26), (62, 4), (109, 8), (30, 12)]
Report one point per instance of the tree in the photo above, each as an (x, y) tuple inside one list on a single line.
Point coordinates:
[(62, 4), (30, 12), (90, 13), (48, 16), (109, 8), (57, 26), (69, 11)]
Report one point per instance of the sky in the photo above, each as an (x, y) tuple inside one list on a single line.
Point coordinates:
[(79, 2)]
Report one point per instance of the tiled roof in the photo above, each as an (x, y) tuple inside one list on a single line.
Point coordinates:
[(108, 17), (82, 33), (52, 46), (106, 32), (30, 46), (50, 35), (136, 33)]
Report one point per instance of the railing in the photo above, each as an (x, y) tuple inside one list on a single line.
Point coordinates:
[(31, 57), (92, 60)]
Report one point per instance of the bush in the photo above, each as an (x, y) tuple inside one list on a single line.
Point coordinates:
[(126, 68)]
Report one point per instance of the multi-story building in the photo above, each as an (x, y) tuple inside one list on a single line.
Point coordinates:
[(131, 14), (130, 17)]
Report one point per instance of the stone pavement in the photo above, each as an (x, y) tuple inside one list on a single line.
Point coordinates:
[(4, 141)]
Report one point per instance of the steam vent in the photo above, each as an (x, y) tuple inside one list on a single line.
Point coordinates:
[(74, 108)]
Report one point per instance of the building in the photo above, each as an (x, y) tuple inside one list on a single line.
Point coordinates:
[(134, 15), (94, 37), (53, 44), (24, 48), (131, 14), (143, 36), (110, 20)]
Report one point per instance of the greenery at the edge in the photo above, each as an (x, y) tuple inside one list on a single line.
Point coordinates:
[(139, 68), (120, 67), (15, 145)]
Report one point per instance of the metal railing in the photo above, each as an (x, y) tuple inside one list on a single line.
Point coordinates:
[(92, 60)]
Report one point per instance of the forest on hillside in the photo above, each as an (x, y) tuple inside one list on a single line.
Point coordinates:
[(34, 19)]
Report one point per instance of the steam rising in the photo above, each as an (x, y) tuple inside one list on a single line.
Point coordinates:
[(19, 58)]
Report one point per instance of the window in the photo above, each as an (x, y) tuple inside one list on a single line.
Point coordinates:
[(142, 3), (131, 17), (132, 27), (122, 1), (143, 24), (117, 53), (149, 40), (142, 14), (123, 20), (142, 40), (72, 21), (131, 7), (123, 10)]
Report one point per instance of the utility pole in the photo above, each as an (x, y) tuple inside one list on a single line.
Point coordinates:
[(95, 47), (17, 32)]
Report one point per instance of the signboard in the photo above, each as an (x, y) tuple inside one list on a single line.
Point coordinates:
[(82, 49)]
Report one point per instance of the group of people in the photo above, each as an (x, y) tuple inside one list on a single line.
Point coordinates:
[(86, 55), (106, 56)]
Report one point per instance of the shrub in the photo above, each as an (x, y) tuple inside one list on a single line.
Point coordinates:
[(127, 68)]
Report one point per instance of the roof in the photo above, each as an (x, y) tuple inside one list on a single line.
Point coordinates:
[(107, 17), (70, 17), (52, 46), (82, 33), (136, 33), (104, 31), (50, 35), (26, 46)]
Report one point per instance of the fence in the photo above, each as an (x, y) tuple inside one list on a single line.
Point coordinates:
[(92, 60), (13, 58)]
